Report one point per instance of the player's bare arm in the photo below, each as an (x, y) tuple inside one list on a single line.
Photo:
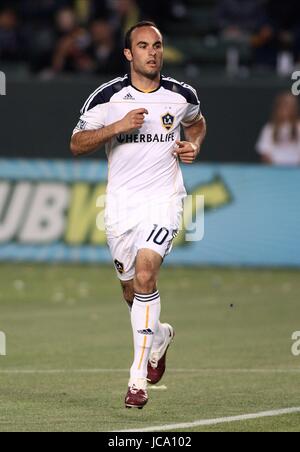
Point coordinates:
[(195, 134), (89, 141)]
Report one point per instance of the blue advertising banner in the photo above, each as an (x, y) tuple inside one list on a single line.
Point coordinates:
[(48, 214)]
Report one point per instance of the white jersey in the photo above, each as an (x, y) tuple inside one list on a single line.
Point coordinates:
[(142, 168)]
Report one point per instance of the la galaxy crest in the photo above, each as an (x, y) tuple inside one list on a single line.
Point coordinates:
[(168, 121)]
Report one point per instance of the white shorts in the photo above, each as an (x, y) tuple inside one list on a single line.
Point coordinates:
[(125, 247)]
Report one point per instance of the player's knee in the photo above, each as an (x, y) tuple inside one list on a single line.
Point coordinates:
[(145, 281)]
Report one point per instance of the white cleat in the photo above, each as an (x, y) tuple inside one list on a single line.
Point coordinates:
[(157, 361)]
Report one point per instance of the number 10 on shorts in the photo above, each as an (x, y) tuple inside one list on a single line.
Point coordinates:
[(158, 235)]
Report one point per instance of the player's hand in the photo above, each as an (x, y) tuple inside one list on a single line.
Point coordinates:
[(132, 121), (187, 152)]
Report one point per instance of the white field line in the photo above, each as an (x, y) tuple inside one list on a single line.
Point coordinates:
[(186, 371), (221, 420)]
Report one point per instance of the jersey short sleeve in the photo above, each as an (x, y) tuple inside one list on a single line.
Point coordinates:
[(93, 114), (93, 119), (193, 110)]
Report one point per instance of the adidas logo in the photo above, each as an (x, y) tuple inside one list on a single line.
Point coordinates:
[(146, 332), (129, 97)]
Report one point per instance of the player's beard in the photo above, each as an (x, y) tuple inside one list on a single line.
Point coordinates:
[(148, 73), (151, 75)]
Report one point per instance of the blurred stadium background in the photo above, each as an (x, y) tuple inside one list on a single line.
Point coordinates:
[(240, 55)]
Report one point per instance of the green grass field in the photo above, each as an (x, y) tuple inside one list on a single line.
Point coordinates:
[(67, 329)]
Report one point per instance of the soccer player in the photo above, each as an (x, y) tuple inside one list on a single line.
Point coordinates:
[(139, 117)]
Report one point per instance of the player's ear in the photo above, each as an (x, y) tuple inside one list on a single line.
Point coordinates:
[(128, 55)]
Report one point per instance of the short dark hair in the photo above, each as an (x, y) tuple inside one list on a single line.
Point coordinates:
[(144, 23)]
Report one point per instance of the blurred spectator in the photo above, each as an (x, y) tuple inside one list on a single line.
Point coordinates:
[(279, 141), (126, 13), (284, 20), (161, 11), (41, 34), (279, 35), (247, 22), (123, 15), (10, 37), (65, 21), (238, 19), (91, 9), (71, 51), (104, 51), (40, 11), (91, 50)]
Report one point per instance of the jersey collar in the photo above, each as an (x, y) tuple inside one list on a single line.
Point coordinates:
[(145, 92)]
